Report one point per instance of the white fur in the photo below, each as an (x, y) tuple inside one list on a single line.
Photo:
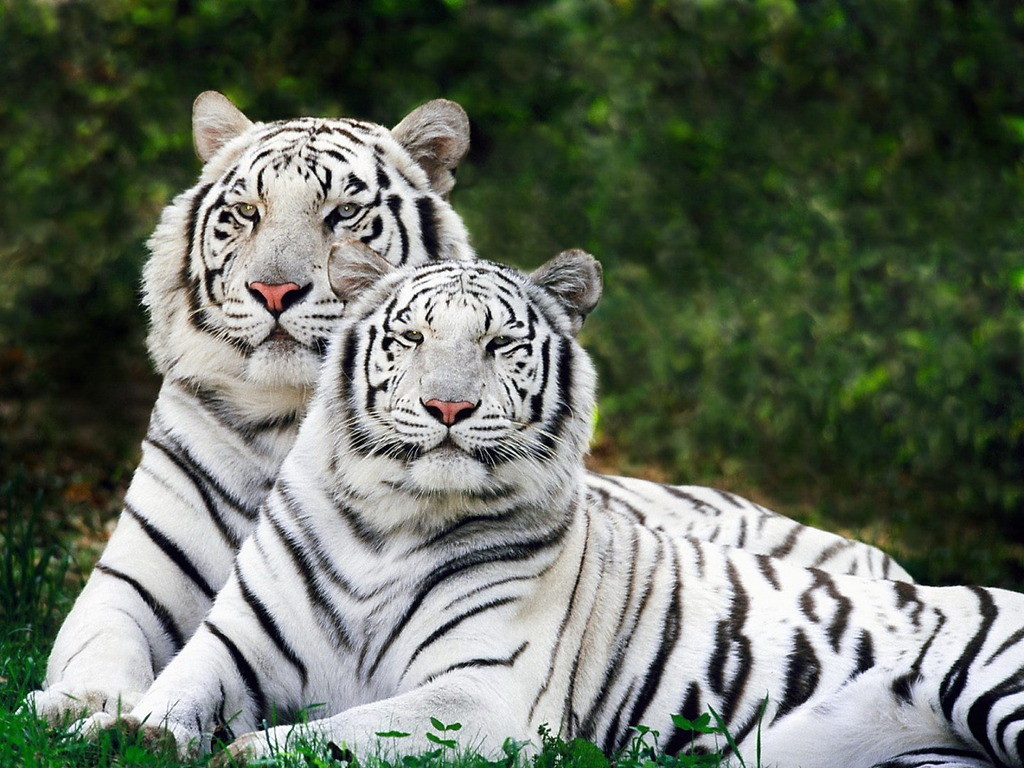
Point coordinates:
[(112, 643), (225, 456), (537, 607)]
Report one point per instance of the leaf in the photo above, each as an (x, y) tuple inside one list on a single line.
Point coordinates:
[(701, 725), (728, 736), (392, 734), (450, 743), (586, 754), (437, 724)]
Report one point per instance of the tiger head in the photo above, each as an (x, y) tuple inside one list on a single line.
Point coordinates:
[(459, 384), (237, 285)]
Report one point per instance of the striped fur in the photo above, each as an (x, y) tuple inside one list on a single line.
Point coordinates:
[(271, 200), (430, 548)]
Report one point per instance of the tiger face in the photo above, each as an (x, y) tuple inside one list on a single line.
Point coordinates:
[(463, 380), (237, 285)]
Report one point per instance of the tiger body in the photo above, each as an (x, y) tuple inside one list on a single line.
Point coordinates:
[(241, 308), (431, 549), (723, 518)]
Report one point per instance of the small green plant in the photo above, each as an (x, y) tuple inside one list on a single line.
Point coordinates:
[(32, 569), (557, 753), (442, 729)]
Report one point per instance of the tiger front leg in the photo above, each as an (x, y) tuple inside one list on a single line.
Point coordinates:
[(488, 708), (207, 686), (104, 655)]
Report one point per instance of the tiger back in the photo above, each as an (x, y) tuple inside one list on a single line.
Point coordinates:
[(429, 550)]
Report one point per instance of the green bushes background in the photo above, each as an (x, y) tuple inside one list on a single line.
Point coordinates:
[(809, 214)]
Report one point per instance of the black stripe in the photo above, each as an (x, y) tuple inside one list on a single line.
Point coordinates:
[(906, 594), (732, 498), (615, 667), (766, 566), (383, 181), (670, 622), (691, 710), (395, 206), (327, 564), (1013, 640), (520, 550), (981, 710), (160, 611), (245, 671), (730, 641), (933, 757), (565, 620), (197, 475), (308, 572), (508, 661), (865, 653), (803, 673), (428, 226), (270, 626), (831, 551), (178, 449), (184, 278), (172, 550), (549, 437), (821, 581), (700, 505), (787, 545), (451, 624), (956, 680), (88, 642)]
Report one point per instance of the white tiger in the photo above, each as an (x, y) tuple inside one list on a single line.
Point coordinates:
[(430, 550), (240, 309)]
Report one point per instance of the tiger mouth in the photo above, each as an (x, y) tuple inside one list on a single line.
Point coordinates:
[(279, 336)]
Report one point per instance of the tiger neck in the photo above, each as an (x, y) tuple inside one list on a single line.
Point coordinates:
[(365, 489), (250, 405)]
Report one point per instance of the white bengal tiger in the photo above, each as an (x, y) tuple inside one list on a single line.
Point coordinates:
[(430, 549), (240, 309)]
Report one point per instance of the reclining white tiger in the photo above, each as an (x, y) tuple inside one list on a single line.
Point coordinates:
[(430, 549), (240, 310)]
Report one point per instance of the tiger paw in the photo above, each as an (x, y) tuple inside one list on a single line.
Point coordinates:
[(253, 746), (63, 706), (240, 752), (163, 738)]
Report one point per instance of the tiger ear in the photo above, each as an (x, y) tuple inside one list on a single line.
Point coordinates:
[(215, 122), (574, 277), (354, 267), (437, 136)]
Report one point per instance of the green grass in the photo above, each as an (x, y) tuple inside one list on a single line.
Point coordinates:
[(38, 580)]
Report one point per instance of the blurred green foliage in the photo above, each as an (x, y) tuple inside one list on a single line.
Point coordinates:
[(809, 212)]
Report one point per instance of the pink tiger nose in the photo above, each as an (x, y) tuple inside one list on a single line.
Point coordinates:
[(276, 297), (449, 412)]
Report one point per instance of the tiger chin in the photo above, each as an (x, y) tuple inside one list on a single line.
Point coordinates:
[(536, 605)]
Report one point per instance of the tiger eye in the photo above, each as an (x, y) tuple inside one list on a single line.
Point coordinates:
[(247, 210), (414, 336), (497, 342)]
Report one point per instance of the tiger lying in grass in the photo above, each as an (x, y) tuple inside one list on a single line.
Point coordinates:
[(430, 549)]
